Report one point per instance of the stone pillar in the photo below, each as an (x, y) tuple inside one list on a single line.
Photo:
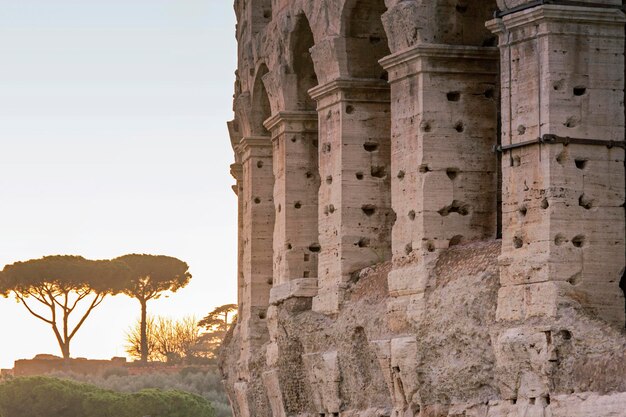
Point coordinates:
[(443, 169), (296, 241), (355, 215), (236, 171), (563, 220), (258, 229)]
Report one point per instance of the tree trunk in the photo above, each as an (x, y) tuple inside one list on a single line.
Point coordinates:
[(65, 349), (144, 331)]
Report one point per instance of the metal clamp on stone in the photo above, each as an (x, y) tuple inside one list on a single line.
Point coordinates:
[(550, 139)]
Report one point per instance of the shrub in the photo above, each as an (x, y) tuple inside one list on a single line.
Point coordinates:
[(52, 397), (207, 384)]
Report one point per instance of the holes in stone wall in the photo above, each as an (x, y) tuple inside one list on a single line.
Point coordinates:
[(349, 109), (270, 281), (518, 242), (456, 207), (456, 240), (259, 164), (315, 248), (424, 168), (293, 139), (559, 239), (412, 215), (452, 173), (309, 174), (329, 179), (331, 208), (429, 246), (363, 242), (359, 176), (368, 209), (280, 208), (578, 241), (521, 129), (257, 200), (408, 248), (586, 202), (580, 90), (572, 122), (545, 204), (262, 315), (453, 96), (459, 127), (426, 127), (307, 257), (306, 274), (575, 279), (379, 171), (288, 246), (565, 335), (561, 157), (558, 85), (580, 163), (326, 148), (401, 175), (522, 210), (370, 146), (297, 205), (490, 92)]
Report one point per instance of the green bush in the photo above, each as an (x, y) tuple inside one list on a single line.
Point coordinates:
[(51, 397), (207, 384)]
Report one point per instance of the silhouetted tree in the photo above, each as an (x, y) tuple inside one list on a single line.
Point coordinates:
[(59, 284), (216, 324), (151, 276), (168, 340)]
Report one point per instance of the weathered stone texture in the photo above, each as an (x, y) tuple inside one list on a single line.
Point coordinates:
[(431, 209)]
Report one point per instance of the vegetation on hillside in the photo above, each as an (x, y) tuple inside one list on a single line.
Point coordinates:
[(52, 397)]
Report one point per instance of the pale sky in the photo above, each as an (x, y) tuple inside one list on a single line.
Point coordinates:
[(113, 140)]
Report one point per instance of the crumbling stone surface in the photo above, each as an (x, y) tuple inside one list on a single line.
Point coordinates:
[(431, 209)]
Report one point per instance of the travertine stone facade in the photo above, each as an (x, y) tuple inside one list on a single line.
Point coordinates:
[(431, 209)]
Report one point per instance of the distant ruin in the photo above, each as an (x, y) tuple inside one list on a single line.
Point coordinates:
[(431, 209)]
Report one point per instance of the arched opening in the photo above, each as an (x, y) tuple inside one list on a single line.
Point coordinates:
[(260, 103), (303, 63), (366, 41)]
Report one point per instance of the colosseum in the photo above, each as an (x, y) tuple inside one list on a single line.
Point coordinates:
[(431, 209)]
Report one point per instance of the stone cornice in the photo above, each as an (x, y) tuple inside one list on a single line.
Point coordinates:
[(353, 85), (290, 117), (554, 13), (236, 170), (250, 143), (440, 51)]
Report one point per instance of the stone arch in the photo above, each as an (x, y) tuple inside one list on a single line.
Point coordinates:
[(302, 41), (366, 39), (260, 103)]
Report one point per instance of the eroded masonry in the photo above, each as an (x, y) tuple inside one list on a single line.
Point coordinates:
[(431, 209)]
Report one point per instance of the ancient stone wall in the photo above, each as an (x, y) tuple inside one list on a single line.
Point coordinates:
[(431, 209)]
